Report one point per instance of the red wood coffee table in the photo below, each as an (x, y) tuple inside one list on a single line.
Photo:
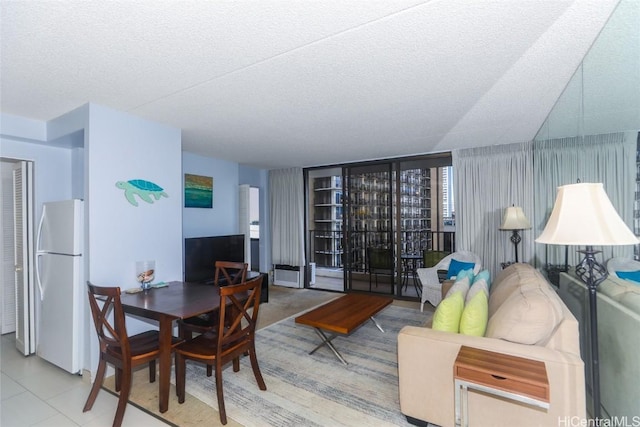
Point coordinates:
[(343, 316)]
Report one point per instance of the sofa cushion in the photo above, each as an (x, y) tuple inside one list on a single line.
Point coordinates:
[(528, 316), (513, 277), (474, 316), (448, 313), (631, 300)]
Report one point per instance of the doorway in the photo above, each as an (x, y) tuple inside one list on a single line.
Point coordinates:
[(17, 296), (254, 227), (249, 224), (7, 272)]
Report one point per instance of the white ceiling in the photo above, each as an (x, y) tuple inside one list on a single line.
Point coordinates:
[(280, 83)]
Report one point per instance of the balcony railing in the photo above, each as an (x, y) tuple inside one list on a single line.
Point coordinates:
[(328, 249)]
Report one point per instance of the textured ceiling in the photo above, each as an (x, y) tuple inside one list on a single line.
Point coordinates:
[(302, 83)]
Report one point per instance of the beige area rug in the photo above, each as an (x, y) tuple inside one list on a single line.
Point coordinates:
[(316, 390), (283, 303)]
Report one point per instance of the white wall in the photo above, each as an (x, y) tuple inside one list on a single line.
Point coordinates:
[(83, 153), (25, 139), (108, 146), (122, 147), (222, 219)]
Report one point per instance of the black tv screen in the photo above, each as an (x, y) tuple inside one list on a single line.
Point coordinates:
[(201, 254)]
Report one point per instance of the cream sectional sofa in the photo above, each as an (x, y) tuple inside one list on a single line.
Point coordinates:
[(618, 338), (526, 319)]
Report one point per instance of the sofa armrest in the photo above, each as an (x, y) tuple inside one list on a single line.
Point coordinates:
[(425, 368)]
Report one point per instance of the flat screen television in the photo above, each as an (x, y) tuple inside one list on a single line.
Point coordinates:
[(201, 254)]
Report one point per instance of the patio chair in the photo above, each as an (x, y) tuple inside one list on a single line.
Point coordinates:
[(380, 261), (431, 282), (619, 265)]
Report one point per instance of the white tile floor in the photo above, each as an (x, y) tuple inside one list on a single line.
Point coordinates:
[(36, 393)]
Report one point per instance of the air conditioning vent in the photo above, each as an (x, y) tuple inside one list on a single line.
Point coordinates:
[(286, 275), (312, 279)]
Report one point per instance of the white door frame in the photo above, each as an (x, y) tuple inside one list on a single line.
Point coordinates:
[(24, 257)]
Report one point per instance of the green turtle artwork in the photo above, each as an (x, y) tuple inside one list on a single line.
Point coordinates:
[(144, 189)]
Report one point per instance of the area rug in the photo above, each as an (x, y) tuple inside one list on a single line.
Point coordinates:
[(317, 389)]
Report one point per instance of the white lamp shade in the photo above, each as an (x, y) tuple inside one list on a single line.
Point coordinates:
[(584, 216), (514, 219)]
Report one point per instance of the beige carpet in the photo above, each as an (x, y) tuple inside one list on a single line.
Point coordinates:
[(283, 303)]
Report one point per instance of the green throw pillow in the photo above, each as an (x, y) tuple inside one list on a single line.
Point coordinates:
[(447, 315), (475, 316)]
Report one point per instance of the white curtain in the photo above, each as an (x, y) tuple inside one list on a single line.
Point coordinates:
[(286, 190), (609, 159), (487, 181)]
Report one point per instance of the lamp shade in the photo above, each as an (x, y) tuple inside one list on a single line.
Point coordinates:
[(514, 219), (583, 215)]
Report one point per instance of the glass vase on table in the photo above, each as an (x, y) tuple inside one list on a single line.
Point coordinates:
[(145, 272)]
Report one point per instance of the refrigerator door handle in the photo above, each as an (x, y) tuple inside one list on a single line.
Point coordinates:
[(44, 209), (39, 253)]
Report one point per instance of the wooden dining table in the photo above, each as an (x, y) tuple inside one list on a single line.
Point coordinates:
[(176, 301)]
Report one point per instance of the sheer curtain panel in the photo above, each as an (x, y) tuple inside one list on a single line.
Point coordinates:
[(609, 159), (286, 189), (487, 181)]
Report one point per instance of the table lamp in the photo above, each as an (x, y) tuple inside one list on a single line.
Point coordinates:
[(584, 216), (515, 221)]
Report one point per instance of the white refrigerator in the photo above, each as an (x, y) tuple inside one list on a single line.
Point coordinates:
[(60, 279)]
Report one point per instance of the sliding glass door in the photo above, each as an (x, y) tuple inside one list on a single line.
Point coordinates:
[(369, 238), (371, 226)]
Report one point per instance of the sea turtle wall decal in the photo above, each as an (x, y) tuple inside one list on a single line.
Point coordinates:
[(144, 189)]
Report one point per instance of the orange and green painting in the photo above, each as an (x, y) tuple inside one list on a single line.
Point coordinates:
[(198, 191)]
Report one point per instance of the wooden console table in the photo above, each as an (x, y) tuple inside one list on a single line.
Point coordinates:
[(516, 378)]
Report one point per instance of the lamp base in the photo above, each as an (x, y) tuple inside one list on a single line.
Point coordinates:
[(590, 271), (592, 274), (515, 239)]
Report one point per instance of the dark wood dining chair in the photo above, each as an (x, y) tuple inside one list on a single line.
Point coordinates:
[(227, 273), (117, 348), (230, 340)]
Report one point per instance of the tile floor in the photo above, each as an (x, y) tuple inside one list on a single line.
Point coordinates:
[(36, 393)]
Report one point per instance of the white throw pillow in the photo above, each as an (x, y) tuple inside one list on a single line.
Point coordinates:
[(478, 286), (461, 285)]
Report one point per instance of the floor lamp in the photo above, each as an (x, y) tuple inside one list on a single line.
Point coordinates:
[(514, 220), (584, 216)]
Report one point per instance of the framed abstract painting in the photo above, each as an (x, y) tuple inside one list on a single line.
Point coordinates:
[(198, 191)]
